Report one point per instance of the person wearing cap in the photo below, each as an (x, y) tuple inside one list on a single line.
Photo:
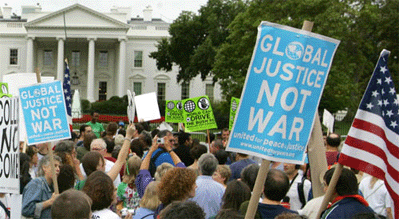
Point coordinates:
[(121, 128)]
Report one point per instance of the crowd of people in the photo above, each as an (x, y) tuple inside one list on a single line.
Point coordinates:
[(130, 171)]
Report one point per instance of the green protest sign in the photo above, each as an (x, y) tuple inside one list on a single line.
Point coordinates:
[(198, 114), (4, 90), (173, 111), (233, 110)]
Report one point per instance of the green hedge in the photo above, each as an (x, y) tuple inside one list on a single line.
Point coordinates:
[(114, 106)]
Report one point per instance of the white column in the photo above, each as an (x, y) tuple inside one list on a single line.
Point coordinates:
[(122, 66), (29, 54), (60, 59), (90, 71)]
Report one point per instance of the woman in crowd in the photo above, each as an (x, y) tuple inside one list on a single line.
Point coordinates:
[(178, 184), (222, 174), (149, 202), (195, 152), (236, 193), (31, 151), (127, 191), (100, 188), (81, 151), (25, 177), (38, 195)]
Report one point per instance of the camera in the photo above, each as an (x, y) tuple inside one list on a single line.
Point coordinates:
[(160, 141), (124, 212)]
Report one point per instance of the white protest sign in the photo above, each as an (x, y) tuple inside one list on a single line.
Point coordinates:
[(9, 157), (283, 87), (16, 81), (147, 107), (328, 120), (131, 108)]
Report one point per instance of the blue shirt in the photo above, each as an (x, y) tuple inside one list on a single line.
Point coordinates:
[(271, 211), (35, 193), (164, 157), (143, 213), (238, 166), (208, 195)]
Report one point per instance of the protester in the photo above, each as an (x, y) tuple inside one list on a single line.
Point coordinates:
[(38, 194), (333, 141), (110, 132), (182, 209), (149, 202), (81, 151), (97, 128), (229, 214), (84, 130), (376, 194), (222, 155), (222, 174), (178, 184), (66, 178), (144, 177), (31, 151), (183, 149), (345, 201), (42, 149), (127, 191), (100, 188), (161, 155), (236, 193), (24, 175), (225, 136), (242, 161), (196, 152), (299, 186), (71, 204), (275, 189), (249, 174), (209, 193)]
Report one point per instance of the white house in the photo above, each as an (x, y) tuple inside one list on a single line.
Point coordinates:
[(107, 52)]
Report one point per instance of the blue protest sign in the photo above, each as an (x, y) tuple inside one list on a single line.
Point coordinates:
[(44, 111), (283, 87)]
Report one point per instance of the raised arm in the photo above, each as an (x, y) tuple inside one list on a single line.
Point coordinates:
[(145, 165), (123, 153)]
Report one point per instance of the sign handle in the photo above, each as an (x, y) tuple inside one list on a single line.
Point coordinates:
[(331, 189), (38, 77), (53, 175), (258, 188), (209, 138)]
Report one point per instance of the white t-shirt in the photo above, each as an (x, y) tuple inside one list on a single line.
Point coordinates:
[(104, 214), (108, 166), (377, 197), (295, 202)]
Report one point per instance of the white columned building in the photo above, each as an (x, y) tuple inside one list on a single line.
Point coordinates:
[(107, 52)]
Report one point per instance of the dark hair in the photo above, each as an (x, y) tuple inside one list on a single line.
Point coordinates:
[(137, 146), (64, 146), (197, 151), (277, 185), (222, 156), (182, 209), (236, 193), (145, 136), (110, 145), (141, 127), (218, 144), (211, 137), (82, 129), (25, 177), (346, 184), (88, 139), (183, 137), (111, 128), (229, 214), (74, 136), (31, 150), (71, 204), (90, 161), (100, 188), (154, 132), (163, 133), (333, 139), (249, 174), (66, 178)]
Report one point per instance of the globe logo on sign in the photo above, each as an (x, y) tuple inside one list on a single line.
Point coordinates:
[(179, 106), (294, 50), (171, 105), (203, 103), (189, 106)]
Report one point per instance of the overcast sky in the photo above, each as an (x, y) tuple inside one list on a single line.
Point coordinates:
[(168, 10)]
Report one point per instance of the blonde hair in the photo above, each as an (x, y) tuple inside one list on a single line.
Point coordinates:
[(150, 198), (161, 170), (224, 172), (132, 168)]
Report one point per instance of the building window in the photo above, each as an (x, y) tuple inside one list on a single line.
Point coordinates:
[(48, 57), (103, 59), (138, 59), (209, 91), (161, 93), (13, 56), (102, 91), (185, 90), (137, 88), (75, 58)]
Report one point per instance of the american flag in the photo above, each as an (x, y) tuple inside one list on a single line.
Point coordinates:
[(372, 144), (67, 94)]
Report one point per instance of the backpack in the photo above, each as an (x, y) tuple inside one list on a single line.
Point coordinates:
[(301, 192), (153, 167)]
